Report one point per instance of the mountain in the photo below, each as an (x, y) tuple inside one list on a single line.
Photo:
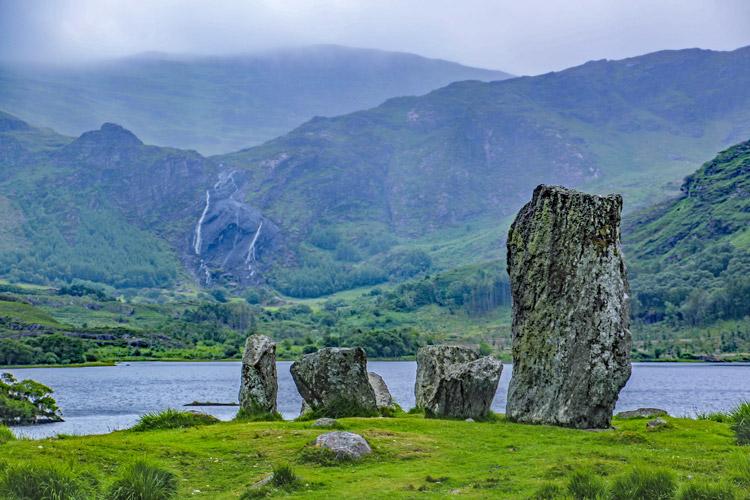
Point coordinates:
[(420, 170), (690, 256), (220, 104), (414, 186)]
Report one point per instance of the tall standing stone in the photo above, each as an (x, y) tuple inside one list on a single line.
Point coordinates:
[(571, 344), (333, 383), (259, 381)]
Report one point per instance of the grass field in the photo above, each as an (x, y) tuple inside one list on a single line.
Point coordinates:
[(413, 457)]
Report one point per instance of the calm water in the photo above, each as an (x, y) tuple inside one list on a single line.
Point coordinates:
[(98, 400)]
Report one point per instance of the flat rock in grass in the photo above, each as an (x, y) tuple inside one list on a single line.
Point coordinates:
[(333, 382), (345, 445), (325, 422), (656, 423), (259, 380), (642, 413), (432, 364), (383, 398), (571, 343)]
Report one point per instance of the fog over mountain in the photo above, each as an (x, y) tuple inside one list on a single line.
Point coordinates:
[(528, 37)]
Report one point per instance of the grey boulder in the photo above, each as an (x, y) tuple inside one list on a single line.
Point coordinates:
[(467, 390), (383, 398), (345, 445), (325, 422), (333, 383), (571, 343), (432, 364), (259, 384)]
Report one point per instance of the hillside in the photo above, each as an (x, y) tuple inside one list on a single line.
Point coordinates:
[(419, 169), (220, 104), (690, 256)]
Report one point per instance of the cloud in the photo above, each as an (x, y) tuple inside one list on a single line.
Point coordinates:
[(521, 36)]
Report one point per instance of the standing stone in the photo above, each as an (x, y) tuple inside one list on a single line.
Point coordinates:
[(334, 383), (432, 364), (467, 390), (259, 382), (383, 398), (571, 344)]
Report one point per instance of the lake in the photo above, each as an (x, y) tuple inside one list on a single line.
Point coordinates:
[(97, 400)]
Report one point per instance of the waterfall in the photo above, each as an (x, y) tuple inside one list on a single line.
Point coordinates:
[(198, 237), (251, 251)]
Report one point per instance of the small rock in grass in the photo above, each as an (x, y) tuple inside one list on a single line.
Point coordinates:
[(642, 413), (469, 420), (657, 423), (345, 445), (325, 422)]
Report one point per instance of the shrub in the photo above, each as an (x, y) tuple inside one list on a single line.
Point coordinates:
[(26, 402), (740, 423), (41, 482), (6, 435), (284, 477), (172, 419), (586, 485), (641, 482), (696, 490), (142, 481)]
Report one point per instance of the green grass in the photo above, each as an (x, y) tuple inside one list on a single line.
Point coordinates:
[(37, 481), (6, 435), (644, 482), (172, 419), (143, 481), (480, 460)]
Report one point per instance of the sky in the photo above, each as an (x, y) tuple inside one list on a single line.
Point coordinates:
[(518, 36)]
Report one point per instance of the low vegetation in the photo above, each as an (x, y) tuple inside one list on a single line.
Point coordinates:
[(172, 419), (5, 435), (692, 459), (26, 402), (44, 481), (143, 481)]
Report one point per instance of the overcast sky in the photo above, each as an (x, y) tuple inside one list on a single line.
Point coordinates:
[(519, 36)]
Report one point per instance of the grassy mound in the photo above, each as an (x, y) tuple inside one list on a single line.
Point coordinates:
[(172, 419)]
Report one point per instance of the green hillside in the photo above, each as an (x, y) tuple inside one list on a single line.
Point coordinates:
[(220, 104), (690, 257)]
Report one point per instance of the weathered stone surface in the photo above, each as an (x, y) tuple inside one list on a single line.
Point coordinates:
[(334, 383), (571, 343), (346, 445), (383, 398), (325, 422), (432, 364), (259, 381), (467, 390), (656, 423), (642, 413)]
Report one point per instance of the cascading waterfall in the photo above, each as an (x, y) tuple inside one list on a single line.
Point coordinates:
[(198, 238), (251, 251)]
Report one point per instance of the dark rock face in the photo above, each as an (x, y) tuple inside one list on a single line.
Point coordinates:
[(333, 382), (454, 382), (432, 364), (467, 390), (383, 397), (345, 445), (259, 381), (571, 343), (231, 236)]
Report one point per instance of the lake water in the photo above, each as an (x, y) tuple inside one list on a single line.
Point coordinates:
[(98, 400)]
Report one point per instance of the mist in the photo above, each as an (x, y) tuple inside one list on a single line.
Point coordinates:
[(529, 37)]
